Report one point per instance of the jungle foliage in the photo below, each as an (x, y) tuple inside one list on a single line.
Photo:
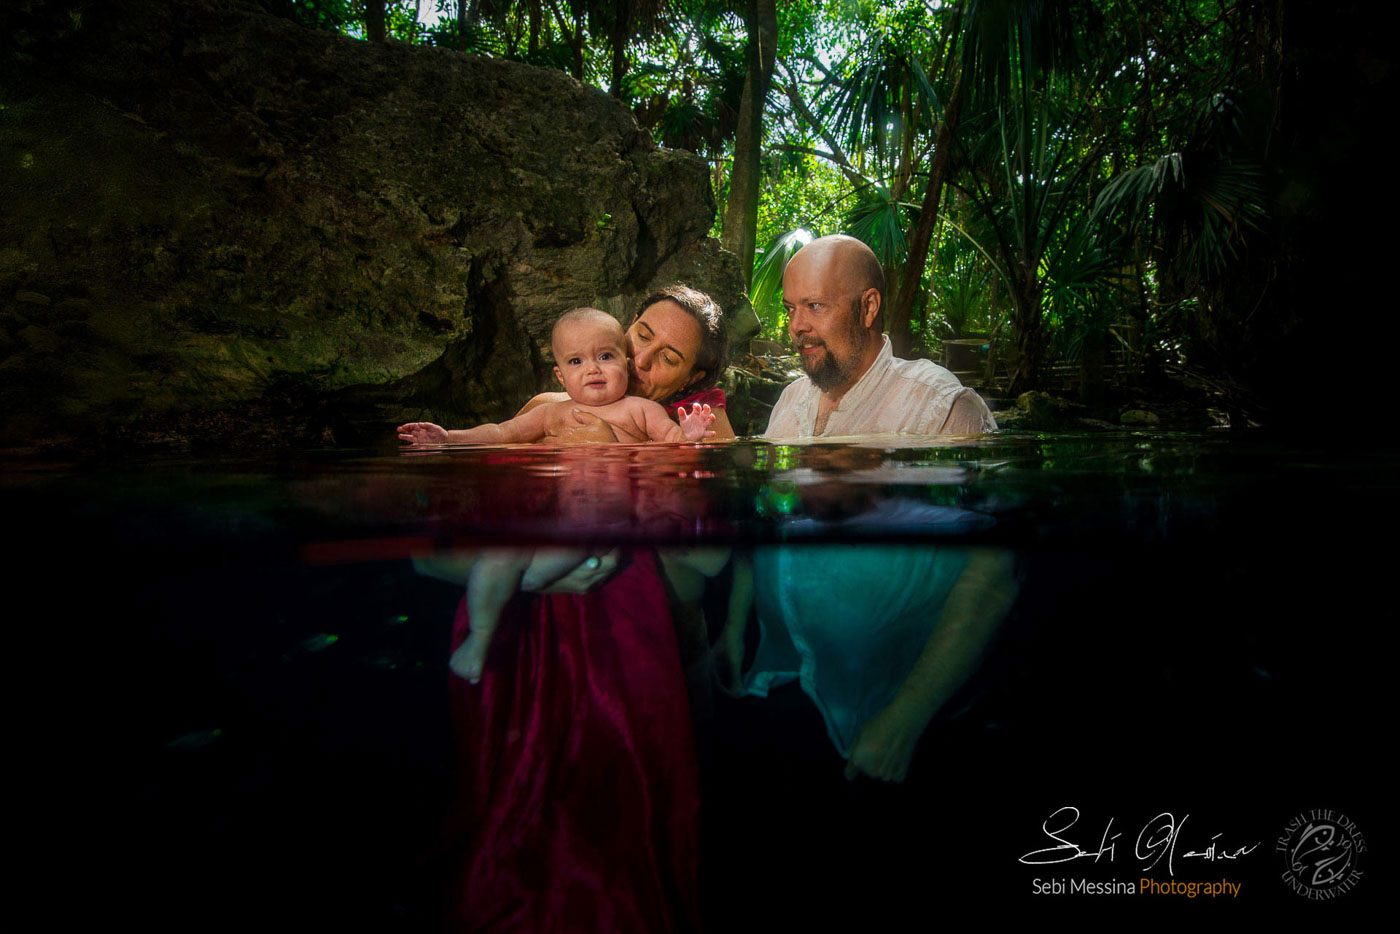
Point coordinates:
[(1094, 190)]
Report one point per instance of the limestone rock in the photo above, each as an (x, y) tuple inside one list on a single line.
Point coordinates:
[(1139, 417), (220, 224), (1041, 411)]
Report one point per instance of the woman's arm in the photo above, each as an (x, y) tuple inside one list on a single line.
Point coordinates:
[(721, 427)]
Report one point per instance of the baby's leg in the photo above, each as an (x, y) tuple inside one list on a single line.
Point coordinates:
[(547, 565), (493, 580)]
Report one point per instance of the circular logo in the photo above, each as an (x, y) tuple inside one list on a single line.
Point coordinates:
[(1322, 852)]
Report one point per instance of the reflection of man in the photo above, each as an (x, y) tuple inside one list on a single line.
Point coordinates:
[(881, 659), (833, 292), (880, 637)]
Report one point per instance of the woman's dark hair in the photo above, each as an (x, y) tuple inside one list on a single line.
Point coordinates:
[(714, 336)]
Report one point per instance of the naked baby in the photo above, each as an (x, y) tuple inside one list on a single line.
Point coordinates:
[(590, 360), (591, 363)]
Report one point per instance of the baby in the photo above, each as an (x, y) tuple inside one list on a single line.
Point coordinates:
[(591, 363)]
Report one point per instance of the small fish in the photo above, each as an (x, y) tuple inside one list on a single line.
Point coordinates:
[(196, 740), (316, 643)]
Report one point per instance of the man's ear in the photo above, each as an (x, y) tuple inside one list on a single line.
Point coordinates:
[(559, 375), (870, 307)]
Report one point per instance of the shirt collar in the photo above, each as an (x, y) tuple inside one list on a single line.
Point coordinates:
[(870, 379)]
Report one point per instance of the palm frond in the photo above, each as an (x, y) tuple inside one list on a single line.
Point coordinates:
[(768, 275), (875, 220)]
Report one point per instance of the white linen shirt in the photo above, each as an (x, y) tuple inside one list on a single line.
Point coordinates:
[(894, 396)]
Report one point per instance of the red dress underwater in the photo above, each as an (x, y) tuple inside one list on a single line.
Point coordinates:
[(577, 797)]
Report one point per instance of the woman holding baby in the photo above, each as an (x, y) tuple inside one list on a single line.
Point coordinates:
[(677, 348), (577, 796)]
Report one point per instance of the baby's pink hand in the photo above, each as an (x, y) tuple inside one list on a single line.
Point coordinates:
[(696, 423), (422, 433)]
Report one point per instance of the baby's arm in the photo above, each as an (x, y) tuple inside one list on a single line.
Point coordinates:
[(422, 433), (694, 425), (523, 429)]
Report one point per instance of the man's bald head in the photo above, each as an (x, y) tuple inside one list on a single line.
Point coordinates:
[(849, 258), (851, 264)]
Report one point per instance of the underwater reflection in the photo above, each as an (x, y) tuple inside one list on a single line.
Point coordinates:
[(585, 674), (576, 801), (1192, 631)]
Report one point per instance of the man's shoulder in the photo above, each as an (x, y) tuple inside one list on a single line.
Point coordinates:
[(923, 371)]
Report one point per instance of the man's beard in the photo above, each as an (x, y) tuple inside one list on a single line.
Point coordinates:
[(832, 373)]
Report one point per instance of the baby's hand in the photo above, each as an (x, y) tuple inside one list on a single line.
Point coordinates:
[(695, 424), (422, 433)]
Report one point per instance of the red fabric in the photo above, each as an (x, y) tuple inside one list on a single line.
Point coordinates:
[(713, 397), (578, 793)]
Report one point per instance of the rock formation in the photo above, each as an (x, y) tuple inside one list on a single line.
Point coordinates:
[(221, 226)]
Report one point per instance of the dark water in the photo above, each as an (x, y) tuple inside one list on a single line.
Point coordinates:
[(235, 701)]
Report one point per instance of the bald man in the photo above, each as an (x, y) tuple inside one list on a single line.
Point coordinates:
[(837, 635), (833, 290)]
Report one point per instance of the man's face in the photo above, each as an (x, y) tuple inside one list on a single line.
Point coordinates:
[(590, 362), (824, 321)]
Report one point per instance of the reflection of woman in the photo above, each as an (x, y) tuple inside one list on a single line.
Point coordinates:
[(577, 802), (677, 348)]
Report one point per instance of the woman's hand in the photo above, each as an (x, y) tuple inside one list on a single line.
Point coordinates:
[(541, 576), (587, 428)]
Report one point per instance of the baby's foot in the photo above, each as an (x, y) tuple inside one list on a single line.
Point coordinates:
[(470, 658)]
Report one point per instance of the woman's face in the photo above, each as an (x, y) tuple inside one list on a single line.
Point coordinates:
[(663, 344)]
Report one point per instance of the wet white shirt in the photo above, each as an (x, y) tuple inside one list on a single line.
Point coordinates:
[(848, 622), (913, 397)]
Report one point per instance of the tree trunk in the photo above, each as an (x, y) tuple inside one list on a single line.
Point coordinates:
[(376, 28), (621, 32), (573, 37), (1027, 332), (740, 229), (901, 331), (468, 12)]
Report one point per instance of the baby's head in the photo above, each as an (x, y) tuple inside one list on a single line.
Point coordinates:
[(590, 356)]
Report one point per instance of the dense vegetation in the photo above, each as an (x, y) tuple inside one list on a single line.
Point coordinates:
[(1087, 193)]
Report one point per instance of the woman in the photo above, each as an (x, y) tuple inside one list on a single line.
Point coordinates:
[(578, 793), (677, 347)]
